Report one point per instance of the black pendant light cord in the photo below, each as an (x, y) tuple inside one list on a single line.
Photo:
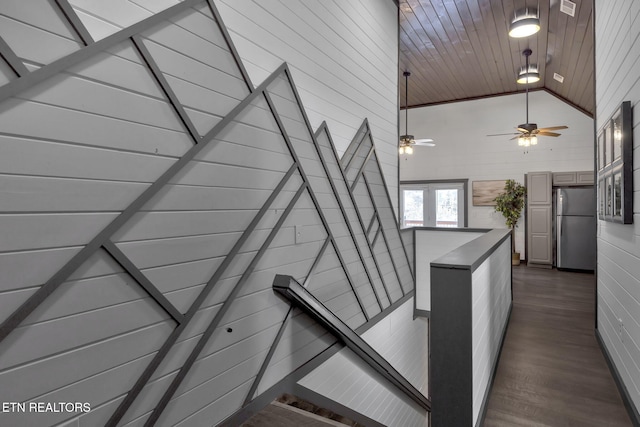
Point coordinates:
[(527, 52), (406, 102)]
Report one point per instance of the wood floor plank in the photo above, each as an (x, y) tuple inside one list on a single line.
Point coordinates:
[(551, 370)]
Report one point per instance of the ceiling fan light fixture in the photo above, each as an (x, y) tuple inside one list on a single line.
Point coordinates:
[(408, 149), (401, 149), (526, 141), (525, 25)]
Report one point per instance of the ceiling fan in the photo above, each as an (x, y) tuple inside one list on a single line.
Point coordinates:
[(407, 142), (528, 132)]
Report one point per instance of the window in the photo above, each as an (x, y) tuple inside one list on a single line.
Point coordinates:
[(433, 204)]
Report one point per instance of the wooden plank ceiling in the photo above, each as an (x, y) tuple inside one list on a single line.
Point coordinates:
[(460, 49)]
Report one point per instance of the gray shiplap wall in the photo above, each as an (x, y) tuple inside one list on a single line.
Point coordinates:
[(98, 150), (617, 80), (342, 55)]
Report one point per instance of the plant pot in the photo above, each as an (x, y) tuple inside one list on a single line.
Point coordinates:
[(515, 258)]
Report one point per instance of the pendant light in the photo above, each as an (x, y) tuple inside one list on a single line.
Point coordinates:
[(525, 24), (407, 142), (527, 139)]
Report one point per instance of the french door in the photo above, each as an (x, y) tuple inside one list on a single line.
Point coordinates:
[(438, 204)]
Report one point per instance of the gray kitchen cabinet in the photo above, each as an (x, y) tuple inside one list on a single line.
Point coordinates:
[(565, 179), (539, 216)]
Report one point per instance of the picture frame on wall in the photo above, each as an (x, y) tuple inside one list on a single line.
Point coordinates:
[(615, 167), (601, 147), (602, 199)]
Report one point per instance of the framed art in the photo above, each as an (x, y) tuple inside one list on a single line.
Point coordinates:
[(615, 167), (484, 193), (602, 199)]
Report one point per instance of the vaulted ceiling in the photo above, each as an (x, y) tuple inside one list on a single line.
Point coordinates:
[(460, 49)]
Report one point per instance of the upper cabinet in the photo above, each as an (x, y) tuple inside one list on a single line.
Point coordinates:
[(539, 188), (561, 179)]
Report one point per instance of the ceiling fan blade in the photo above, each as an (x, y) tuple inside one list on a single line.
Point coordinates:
[(503, 134), (515, 137), (548, 134), (425, 143), (552, 128), (423, 140), (523, 130)]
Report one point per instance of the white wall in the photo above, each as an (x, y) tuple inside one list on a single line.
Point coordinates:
[(464, 151), (617, 80)]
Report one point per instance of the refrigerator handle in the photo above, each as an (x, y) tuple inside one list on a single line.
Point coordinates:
[(559, 201), (559, 240)]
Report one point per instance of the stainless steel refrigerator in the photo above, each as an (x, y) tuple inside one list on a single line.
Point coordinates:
[(575, 228)]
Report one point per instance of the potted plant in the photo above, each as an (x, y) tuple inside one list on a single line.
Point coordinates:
[(510, 204)]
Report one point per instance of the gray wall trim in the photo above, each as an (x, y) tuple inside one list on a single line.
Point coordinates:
[(166, 88), (52, 69), (312, 270), (267, 359), (381, 229), (75, 22), (375, 214), (393, 262), (232, 46), (365, 123), (472, 254), (634, 415), (164, 350), (330, 404), (364, 165), (357, 149), (494, 370), (12, 60), (285, 385), (173, 387), (373, 220), (323, 128), (142, 280), (386, 189), (288, 287), (341, 161), (282, 128), (58, 278), (276, 340), (373, 243), (421, 313), (451, 347), (384, 236)]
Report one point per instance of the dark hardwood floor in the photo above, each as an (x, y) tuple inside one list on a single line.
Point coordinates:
[(551, 371)]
